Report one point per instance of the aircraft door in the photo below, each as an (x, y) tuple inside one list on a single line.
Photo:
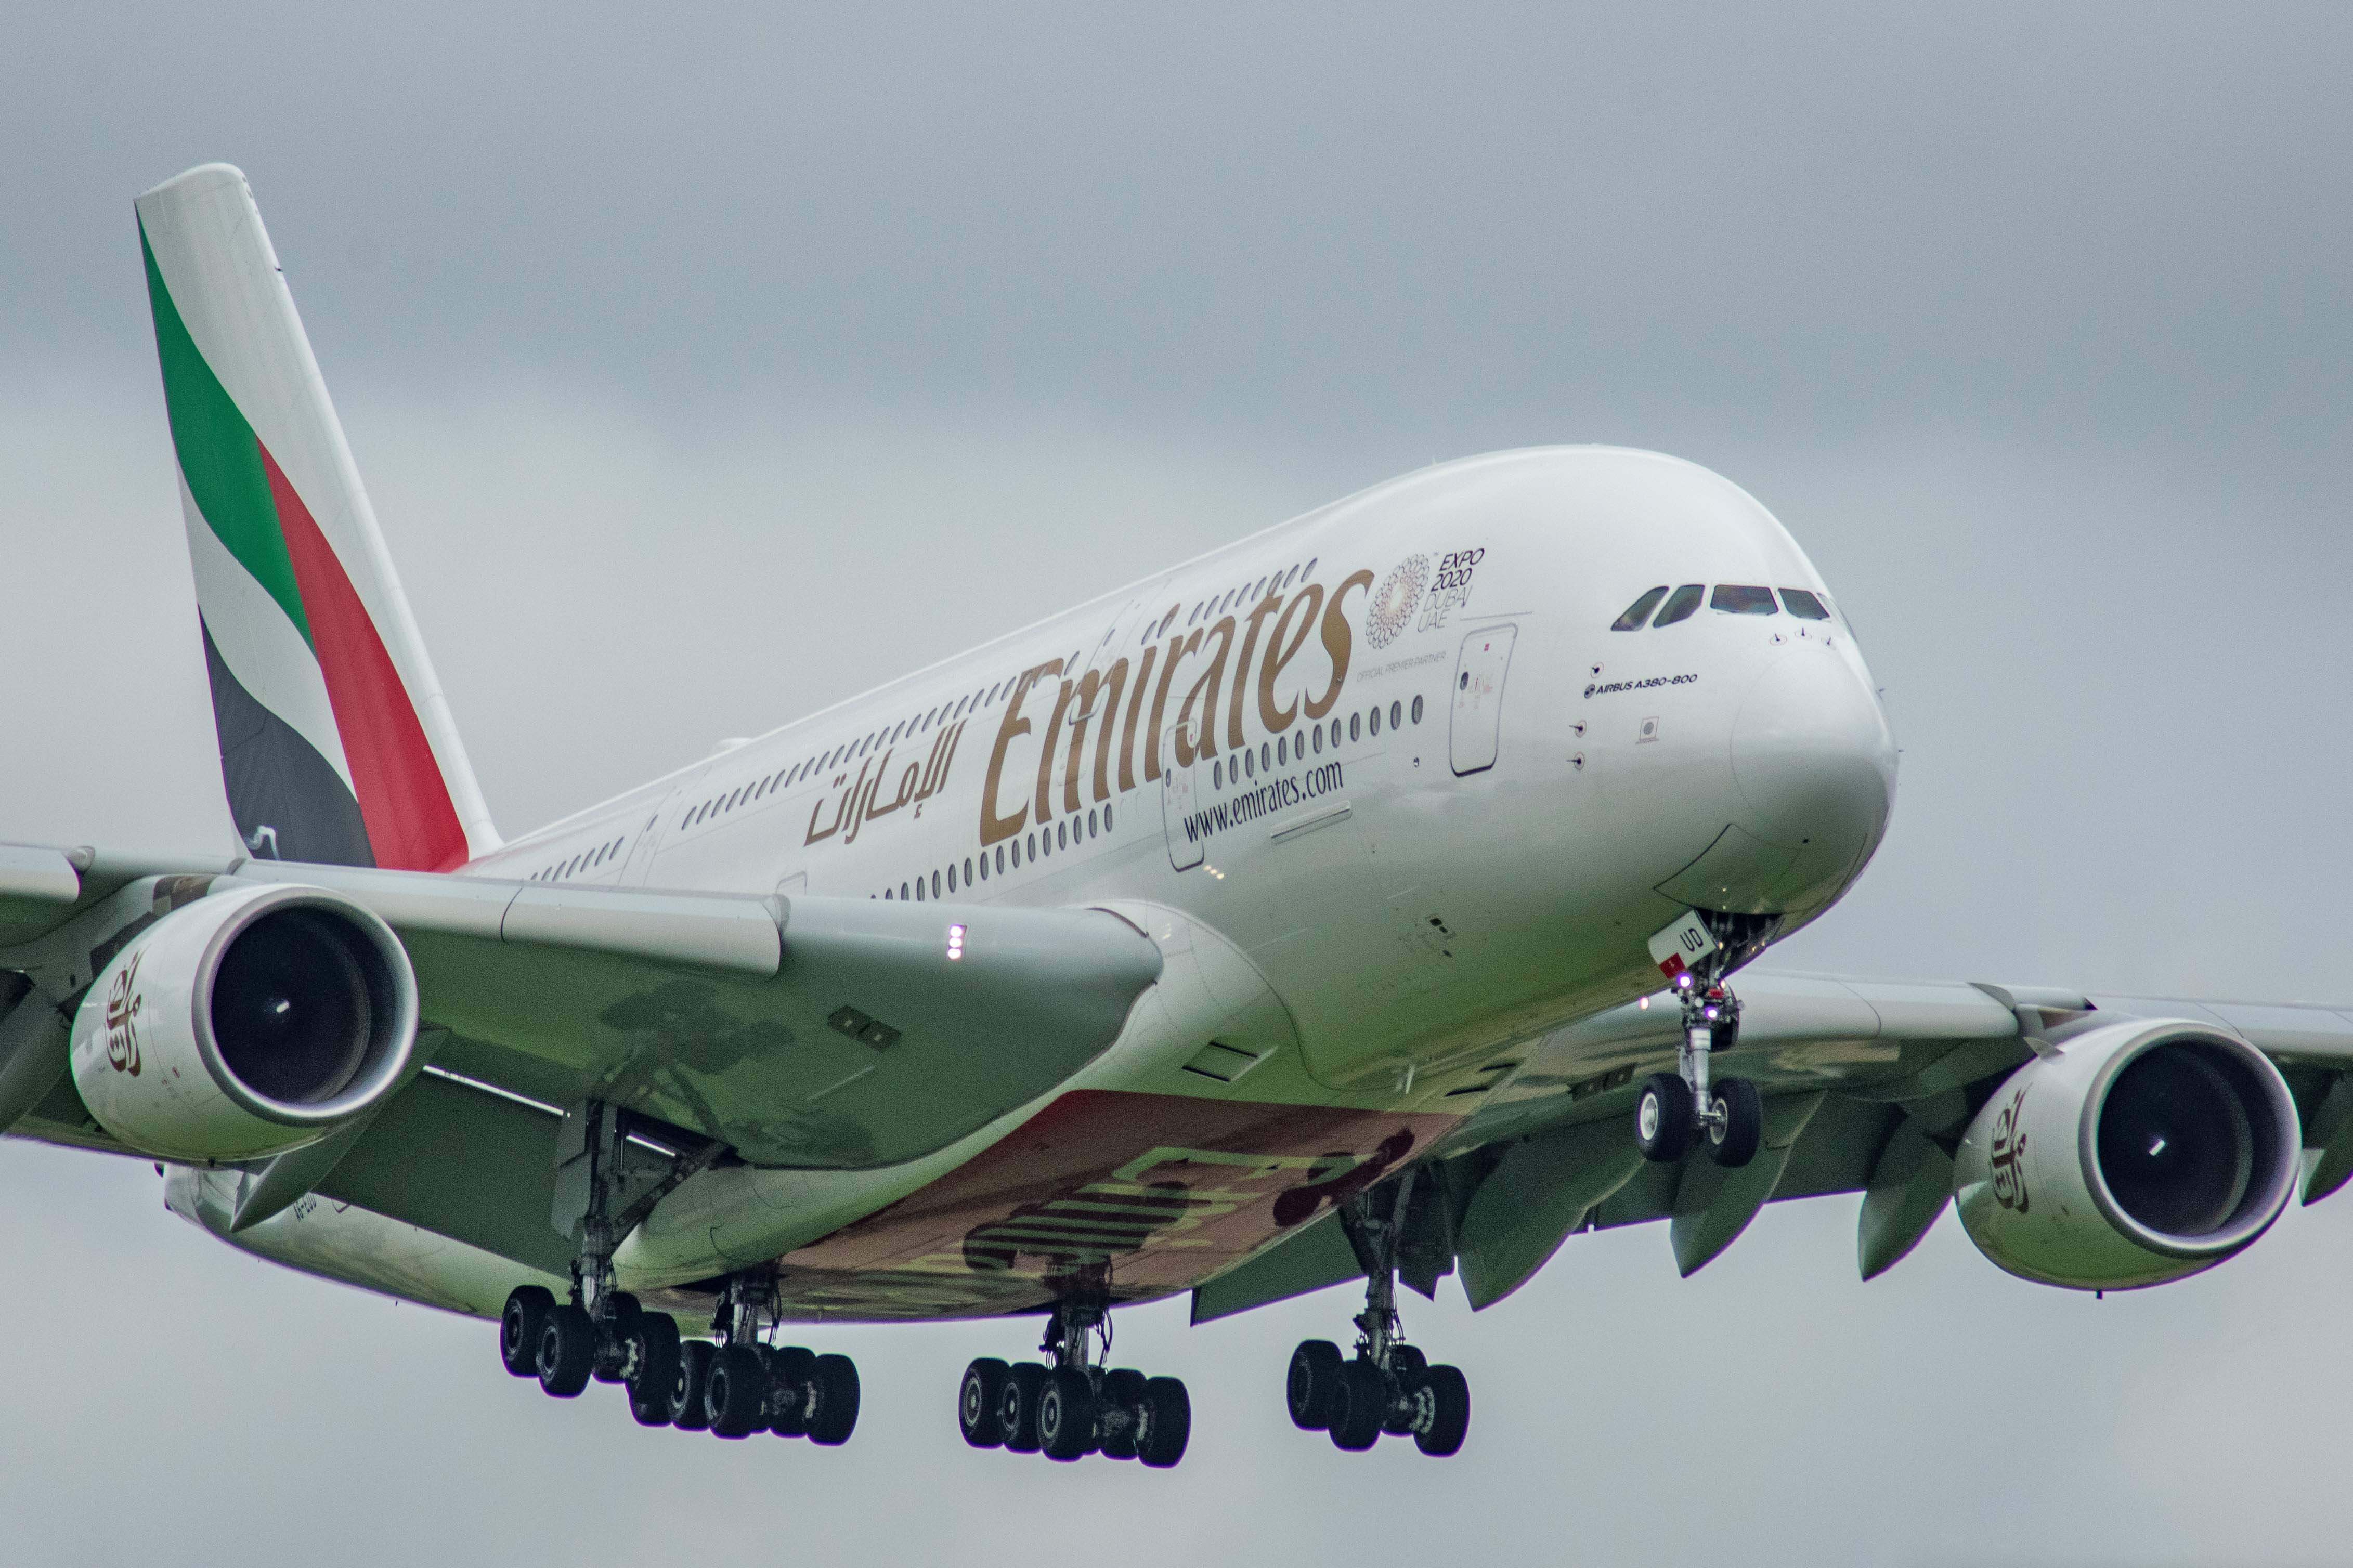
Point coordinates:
[(1178, 805), (1479, 671)]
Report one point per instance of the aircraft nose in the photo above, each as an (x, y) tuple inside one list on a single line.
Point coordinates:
[(1815, 763)]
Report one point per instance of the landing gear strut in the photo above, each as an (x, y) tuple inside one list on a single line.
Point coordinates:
[(1387, 1386), (1673, 1106), (1070, 1404)]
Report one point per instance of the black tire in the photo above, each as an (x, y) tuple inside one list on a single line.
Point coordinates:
[(735, 1394), (1119, 1412), (792, 1377), (620, 1322), (653, 1368), (1731, 1139), (519, 1324), (1663, 1117), (1445, 1395), (1167, 1423), (688, 1411), (834, 1417), (567, 1350), (1065, 1415), (1313, 1379), (977, 1398), (1016, 1407), (1360, 1407)]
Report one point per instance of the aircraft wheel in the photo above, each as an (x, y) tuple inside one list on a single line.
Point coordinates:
[(735, 1394), (1017, 1408), (567, 1350), (689, 1411), (792, 1374), (1443, 1412), (977, 1398), (1066, 1413), (1313, 1379), (1359, 1406), (1733, 1136), (1119, 1412), (653, 1367), (835, 1412), (1167, 1423), (520, 1321), (1663, 1117)]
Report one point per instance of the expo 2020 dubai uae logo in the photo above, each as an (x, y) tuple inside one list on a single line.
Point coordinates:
[(1394, 600)]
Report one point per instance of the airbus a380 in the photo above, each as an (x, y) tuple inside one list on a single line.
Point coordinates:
[(1360, 901)]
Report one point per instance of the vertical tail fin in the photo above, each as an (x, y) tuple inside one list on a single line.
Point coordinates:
[(336, 742)]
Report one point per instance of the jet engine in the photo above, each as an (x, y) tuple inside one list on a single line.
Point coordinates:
[(246, 1022), (2134, 1152)]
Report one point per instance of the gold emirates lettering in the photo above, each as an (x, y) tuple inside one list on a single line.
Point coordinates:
[(1123, 708)]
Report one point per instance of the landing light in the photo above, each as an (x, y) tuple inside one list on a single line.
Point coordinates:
[(955, 942)]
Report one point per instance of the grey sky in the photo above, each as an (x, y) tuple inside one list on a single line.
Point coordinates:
[(707, 369)]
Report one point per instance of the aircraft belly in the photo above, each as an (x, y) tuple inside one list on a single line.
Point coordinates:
[(1139, 1195)]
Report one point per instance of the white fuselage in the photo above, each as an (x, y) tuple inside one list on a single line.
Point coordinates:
[(1383, 782)]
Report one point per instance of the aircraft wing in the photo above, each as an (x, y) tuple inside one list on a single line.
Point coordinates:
[(803, 1031), (1866, 1085)]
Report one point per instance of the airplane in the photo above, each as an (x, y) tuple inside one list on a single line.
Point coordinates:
[(1363, 901)]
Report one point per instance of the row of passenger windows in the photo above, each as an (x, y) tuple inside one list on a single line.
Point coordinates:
[(1245, 764), (1211, 608), (848, 751), (1729, 599), (946, 712), (1067, 834), (586, 860)]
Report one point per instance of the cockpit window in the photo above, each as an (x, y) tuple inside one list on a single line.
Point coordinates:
[(1638, 611), (1804, 605), (1733, 599), (1680, 605)]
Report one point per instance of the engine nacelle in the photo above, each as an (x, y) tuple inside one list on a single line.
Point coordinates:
[(2143, 1151), (252, 1021)]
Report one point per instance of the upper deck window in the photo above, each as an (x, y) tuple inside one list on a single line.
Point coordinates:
[(1735, 599), (1805, 606), (1638, 611), (1681, 605)]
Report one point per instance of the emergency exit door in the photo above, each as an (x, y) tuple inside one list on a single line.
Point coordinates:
[(1479, 671)]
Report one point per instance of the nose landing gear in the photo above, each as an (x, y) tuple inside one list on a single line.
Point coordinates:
[(1387, 1386), (1674, 1107), (1073, 1405)]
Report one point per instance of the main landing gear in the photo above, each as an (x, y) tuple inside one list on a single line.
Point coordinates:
[(732, 1386), (1071, 1405), (1387, 1386), (1674, 1107)]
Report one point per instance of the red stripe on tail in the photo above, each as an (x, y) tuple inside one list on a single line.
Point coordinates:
[(412, 825)]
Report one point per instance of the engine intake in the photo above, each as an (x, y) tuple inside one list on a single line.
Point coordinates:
[(2141, 1151), (250, 1022)]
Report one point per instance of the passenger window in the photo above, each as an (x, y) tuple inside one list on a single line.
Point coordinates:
[(1000, 857), (1265, 756), (1091, 824), (1373, 722), (1106, 819), (1681, 605), (1804, 605), (1319, 740), (1417, 710), (967, 871), (950, 875), (1638, 611), (1062, 835), (1352, 732), (1217, 775), (936, 884), (1733, 599)]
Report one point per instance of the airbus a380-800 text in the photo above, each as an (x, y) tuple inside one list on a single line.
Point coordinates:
[(1360, 901)]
